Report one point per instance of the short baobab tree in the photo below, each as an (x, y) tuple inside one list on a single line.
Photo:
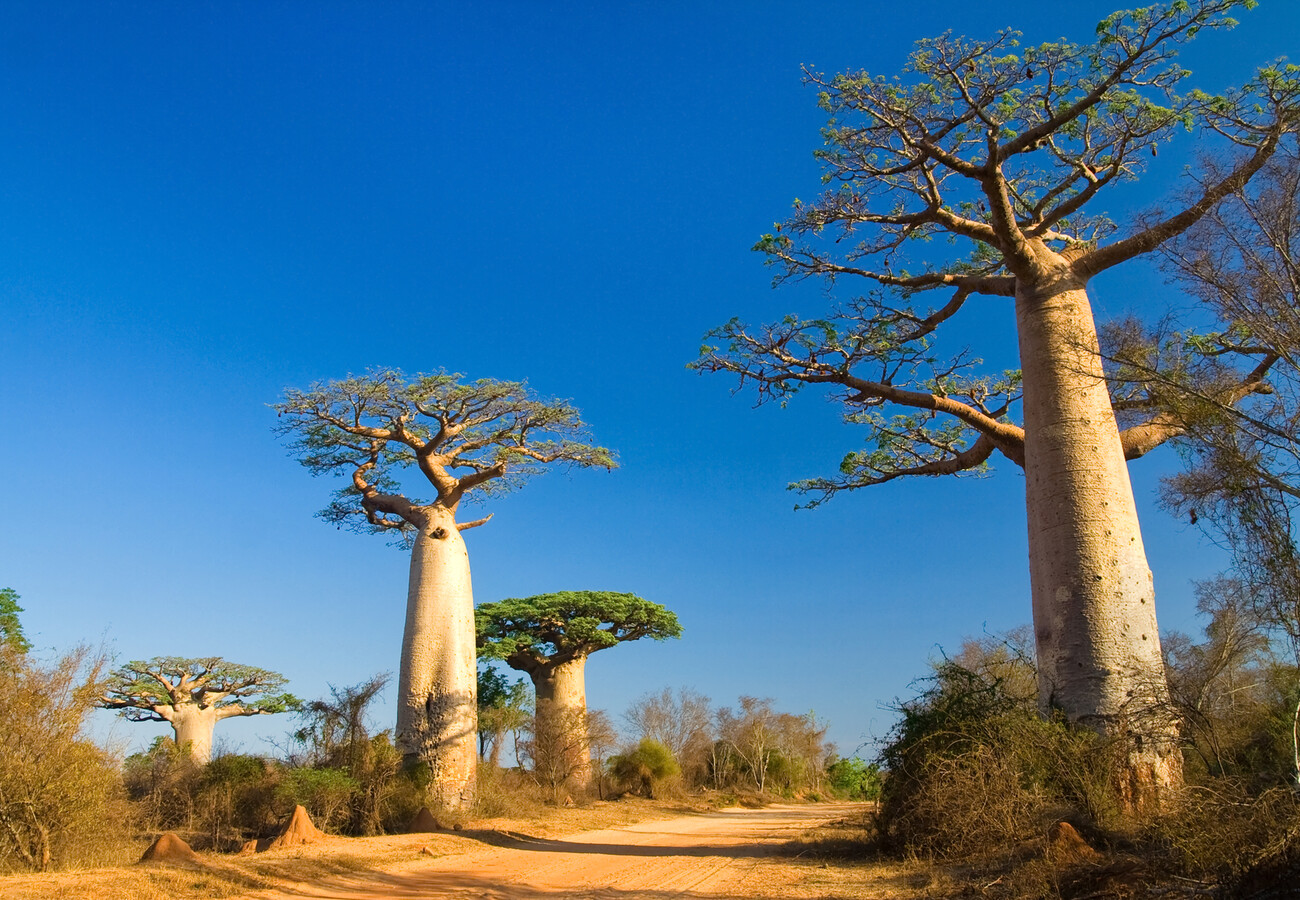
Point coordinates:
[(193, 695), (549, 637), (463, 438)]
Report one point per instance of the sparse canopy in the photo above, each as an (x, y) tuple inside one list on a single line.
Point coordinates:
[(486, 436), (192, 695), (535, 632), (1000, 150)]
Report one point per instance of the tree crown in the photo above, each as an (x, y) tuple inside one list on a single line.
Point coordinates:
[(140, 689), (484, 436), (534, 632), (1001, 150), (12, 640)]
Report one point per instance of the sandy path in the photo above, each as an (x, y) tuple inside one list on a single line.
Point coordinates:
[(715, 855)]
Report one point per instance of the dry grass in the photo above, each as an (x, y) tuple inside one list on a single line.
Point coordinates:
[(223, 875)]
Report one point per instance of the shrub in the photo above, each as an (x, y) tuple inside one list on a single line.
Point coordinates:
[(645, 768), (507, 792), (60, 794), (162, 783), (326, 793), (234, 799), (1224, 831), (854, 778), (974, 770)]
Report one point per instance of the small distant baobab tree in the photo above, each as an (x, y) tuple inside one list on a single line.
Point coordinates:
[(462, 437), (549, 637), (193, 695)]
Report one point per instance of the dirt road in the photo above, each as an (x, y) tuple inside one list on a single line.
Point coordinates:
[(716, 855)]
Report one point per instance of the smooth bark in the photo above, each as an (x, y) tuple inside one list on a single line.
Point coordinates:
[(561, 723), (437, 717), (1099, 658), (193, 726)]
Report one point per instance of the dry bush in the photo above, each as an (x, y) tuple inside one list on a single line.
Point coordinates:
[(1221, 831), (508, 793), (60, 794), (161, 783), (974, 770)]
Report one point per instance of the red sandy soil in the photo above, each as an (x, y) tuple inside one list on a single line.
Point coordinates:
[(715, 855)]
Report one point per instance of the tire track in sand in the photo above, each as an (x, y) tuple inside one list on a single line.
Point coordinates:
[(714, 855)]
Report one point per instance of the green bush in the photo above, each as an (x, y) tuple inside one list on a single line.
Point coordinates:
[(162, 784), (644, 769), (854, 778)]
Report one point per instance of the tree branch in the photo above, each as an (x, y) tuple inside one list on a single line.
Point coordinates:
[(1148, 239)]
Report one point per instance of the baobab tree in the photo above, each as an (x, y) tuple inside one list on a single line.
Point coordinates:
[(462, 437), (193, 695), (549, 637), (1003, 152)]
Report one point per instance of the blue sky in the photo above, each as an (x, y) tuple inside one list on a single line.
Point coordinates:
[(206, 203)]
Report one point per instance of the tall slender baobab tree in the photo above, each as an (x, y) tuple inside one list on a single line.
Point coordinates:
[(462, 437), (1003, 151)]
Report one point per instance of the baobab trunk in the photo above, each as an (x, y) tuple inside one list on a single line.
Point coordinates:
[(1099, 659), (193, 726), (437, 716), (561, 727)]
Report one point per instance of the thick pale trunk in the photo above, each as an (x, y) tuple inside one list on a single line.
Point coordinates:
[(1099, 659), (193, 726), (561, 727), (437, 716)]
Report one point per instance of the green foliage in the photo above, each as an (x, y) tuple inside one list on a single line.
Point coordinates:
[(503, 707), (855, 779), (380, 804), (12, 640), (1235, 694), (483, 436), (765, 750), (336, 737), (234, 689), (534, 631), (644, 768), (334, 730)]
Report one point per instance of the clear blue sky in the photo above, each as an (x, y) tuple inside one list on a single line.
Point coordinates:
[(204, 203)]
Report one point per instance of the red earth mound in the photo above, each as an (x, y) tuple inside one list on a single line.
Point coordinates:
[(424, 821), (298, 830), (169, 848)]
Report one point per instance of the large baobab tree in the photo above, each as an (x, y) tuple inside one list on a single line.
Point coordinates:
[(994, 157), (462, 437), (549, 637), (193, 695)]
